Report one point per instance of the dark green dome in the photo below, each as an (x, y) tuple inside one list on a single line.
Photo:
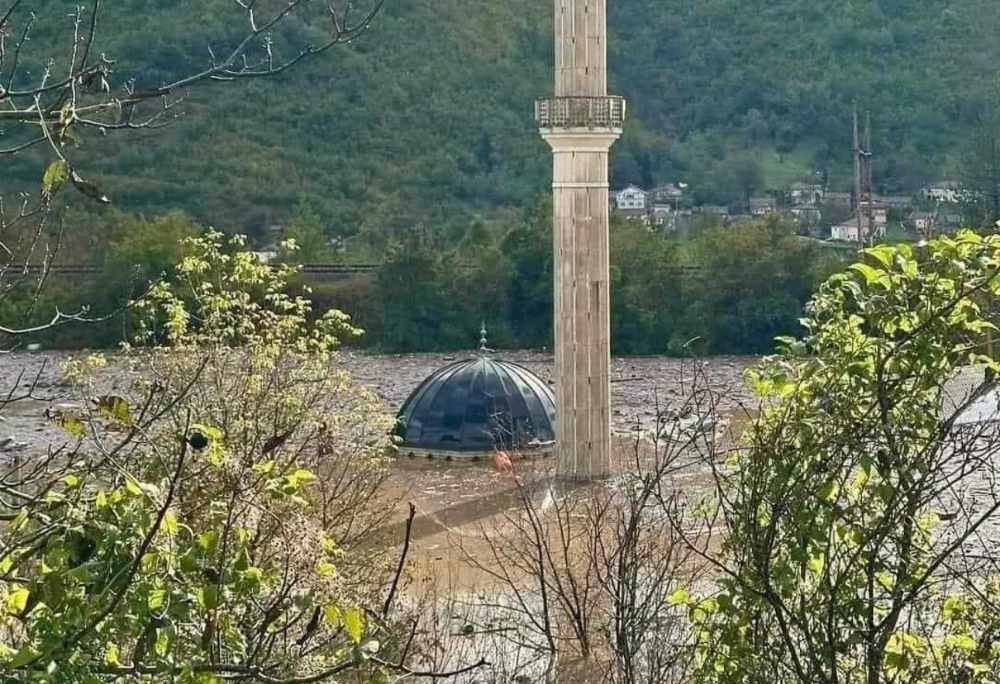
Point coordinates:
[(475, 406)]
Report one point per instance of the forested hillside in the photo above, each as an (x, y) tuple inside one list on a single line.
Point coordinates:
[(428, 118)]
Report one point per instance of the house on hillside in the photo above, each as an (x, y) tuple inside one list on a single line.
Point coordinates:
[(762, 206), (880, 214), (632, 197), (664, 216), (714, 211), (806, 214), (806, 194), (848, 231), (665, 194), (893, 201), (838, 199), (943, 191)]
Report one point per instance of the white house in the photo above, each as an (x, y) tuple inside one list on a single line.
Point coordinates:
[(806, 194), (944, 191), (848, 231), (762, 206), (806, 214), (665, 194), (632, 197)]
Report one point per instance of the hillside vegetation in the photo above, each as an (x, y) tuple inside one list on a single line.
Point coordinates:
[(428, 118)]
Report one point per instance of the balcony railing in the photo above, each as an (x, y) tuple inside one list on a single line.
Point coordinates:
[(580, 112)]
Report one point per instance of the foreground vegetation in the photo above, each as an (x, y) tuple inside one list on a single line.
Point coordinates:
[(218, 515)]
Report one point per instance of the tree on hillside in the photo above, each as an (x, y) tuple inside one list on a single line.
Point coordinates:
[(979, 165), (62, 93)]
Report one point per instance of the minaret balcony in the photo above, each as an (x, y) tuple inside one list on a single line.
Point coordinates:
[(580, 112)]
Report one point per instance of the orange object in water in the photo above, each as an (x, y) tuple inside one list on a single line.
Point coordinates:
[(501, 462)]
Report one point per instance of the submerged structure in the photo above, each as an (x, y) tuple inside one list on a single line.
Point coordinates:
[(580, 123), (469, 409)]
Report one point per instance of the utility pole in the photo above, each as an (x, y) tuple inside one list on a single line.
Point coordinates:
[(870, 178), (857, 175)]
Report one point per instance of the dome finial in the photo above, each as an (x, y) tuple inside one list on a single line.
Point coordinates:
[(483, 349)]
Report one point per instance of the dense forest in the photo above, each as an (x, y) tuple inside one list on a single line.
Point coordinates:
[(428, 118)]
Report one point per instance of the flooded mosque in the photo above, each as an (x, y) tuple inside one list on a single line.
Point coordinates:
[(474, 408)]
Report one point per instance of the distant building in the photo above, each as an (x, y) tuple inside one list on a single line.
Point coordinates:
[(879, 213), (806, 194), (664, 216), (762, 206), (848, 231), (943, 191), (632, 197), (715, 211), (838, 199), (893, 201), (806, 214), (665, 194)]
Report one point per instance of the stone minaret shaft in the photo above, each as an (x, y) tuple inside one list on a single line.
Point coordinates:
[(580, 124)]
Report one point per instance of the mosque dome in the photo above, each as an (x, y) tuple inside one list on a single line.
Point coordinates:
[(470, 408)]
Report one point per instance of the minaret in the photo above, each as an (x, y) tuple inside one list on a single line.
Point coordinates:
[(580, 124)]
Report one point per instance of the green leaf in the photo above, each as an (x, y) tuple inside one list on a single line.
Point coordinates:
[(24, 656), (55, 177), (208, 597), (871, 275), (326, 569), (333, 616), (353, 623), (170, 525), (17, 601), (115, 408), (303, 475), (679, 597), (111, 654), (20, 520), (883, 254), (162, 642), (156, 599), (961, 641), (133, 487), (72, 424)]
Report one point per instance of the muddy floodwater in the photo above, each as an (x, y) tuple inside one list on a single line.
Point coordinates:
[(453, 499)]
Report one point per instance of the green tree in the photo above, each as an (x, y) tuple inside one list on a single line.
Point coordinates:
[(851, 552), (214, 519), (753, 283), (305, 231), (979, 166), (411, 292), (528, 248)]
